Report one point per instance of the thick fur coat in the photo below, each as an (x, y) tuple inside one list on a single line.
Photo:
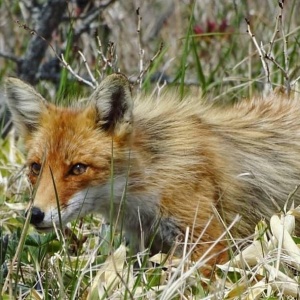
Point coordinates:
[(158, 166)]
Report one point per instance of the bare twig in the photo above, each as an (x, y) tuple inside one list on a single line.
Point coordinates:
[(160, 87), (50, 16), (100, 52), (94, 81), (285, 51), (261, 55), (141, 50), (272, 59), (110, 59), (279, 27), (142, 73), (61, 58), (162, 80), (33, 32), (10, 57), (295, 81), (111, 55), (79, 78), (276, 31)]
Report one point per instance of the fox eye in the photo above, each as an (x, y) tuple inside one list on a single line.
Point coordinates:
[(35, 168), (78, 169)]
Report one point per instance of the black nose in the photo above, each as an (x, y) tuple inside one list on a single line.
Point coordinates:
[(37, 216)]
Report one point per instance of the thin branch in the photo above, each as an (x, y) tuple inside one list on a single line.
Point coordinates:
[(141, 50), (102, 56), (110, 59), (276, 31), (163, 80), (10, 57), (285, 51), (94, 81), (62, 59), (272, 59), (261, 55), (33, 32), (111, 56), (50, 16), (295, 81), (160, 87), (79, 78), (142, 72)]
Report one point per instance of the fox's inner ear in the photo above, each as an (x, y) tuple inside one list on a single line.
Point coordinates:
[(114, 104), (25, 105)]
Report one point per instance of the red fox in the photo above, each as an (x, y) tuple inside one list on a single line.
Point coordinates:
[(165, 164)]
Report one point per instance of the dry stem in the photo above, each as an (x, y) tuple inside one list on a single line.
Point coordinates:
[(141, 50), (261, 55)]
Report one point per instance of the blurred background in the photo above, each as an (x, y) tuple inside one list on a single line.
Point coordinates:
[(205, 43)]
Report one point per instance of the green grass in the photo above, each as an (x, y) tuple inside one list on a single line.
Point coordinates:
[(222, 64)]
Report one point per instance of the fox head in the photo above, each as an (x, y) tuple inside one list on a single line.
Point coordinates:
[(70, 149)]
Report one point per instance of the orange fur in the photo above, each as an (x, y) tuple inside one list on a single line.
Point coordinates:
[(173, 162)]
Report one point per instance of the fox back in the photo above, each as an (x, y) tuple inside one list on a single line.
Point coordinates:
[(159, 166)]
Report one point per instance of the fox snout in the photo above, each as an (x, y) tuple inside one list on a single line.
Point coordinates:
[(37, 215)]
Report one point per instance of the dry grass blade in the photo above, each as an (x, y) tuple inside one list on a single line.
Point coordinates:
[(283, 283), (165, 260), (280, 230), (110, 275), (295, 212), (249, 256), (16, 206), (256, 290)]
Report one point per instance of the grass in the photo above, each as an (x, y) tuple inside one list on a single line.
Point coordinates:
[(210, 54)]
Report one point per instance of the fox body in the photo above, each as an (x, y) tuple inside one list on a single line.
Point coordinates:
[(159, 166)]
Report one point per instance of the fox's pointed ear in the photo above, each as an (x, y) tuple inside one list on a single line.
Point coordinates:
[(114, 104), (25, 104)]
